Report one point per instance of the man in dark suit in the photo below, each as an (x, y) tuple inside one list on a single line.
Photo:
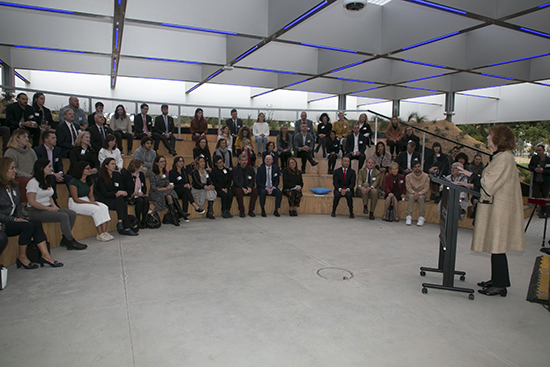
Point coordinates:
[(267, 181), (164, 127), (66, 133), (344, 182), (303, 146), (98, 131), (234, 124), (356, 144), (51, 152), (407, 158), (243, 183), (304, 120), (540, 164), (98, 110), (408, 136), (143, 125), (20, 115)]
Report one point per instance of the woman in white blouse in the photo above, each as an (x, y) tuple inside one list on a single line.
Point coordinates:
[(225, 133), (110, 150), (43, 208), (260, 130)]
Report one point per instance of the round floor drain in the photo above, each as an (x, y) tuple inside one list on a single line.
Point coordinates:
[(335, 274)]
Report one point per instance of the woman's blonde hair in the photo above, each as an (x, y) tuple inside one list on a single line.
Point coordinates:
[(394, 165), (12, 143), (78, 140)]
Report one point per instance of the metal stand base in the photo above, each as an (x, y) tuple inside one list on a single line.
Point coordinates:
[(425, 287)]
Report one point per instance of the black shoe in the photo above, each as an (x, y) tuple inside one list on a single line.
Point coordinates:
[(142, 225), (224, 214), (485, 284), (493, 291), (129, 232), (351, 215), (241, 214), (74, 245), (314, 163), (119, 227), (210, 212), (333, 214), (276, 213), (371, 216), (28, 267), (365, 210), (55, 264), (251, 213), (200, 211), (263, 213), (229, 215), (64, 241), (174, 153)]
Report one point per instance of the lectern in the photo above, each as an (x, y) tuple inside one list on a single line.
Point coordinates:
[(449, 215)]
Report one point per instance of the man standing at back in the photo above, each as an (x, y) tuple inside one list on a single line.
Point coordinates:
[(304, 120), (20, 115), (234, 124), (66, 133), (164, 127), (98, 110), (78, 113)]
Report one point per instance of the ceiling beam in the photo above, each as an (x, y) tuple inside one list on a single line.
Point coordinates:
[(118, 27)]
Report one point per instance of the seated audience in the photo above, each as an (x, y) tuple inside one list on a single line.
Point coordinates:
[(110, 150), (323, 130), (304, 120), (477, 166), (48, 150), (42, 114), (98, 132), (23, 157), (243, 184), (133, 182), (418, 185), (260, 130), (225, 133), (222, 179), (146, 155), (248, 150), (79, 116), (368, 181), (269, 150), (540, 167), (82, 201), (341, 128), (365, 129), (382, 161), (122, 128), (460, 179), (267, 182), (43, 208), (408, 136), (202, 187), (344, 183), (244, 133), (222, 150), (110, 191), (201, 149), (199, 125), (462, 158), (454, 153), (19, 115), (235, 125), (292, 186), (15, 225), (437, 164), (164, 127), (333, 148), (67, 133), (162, 192), (179, 177), (83, 152), (303, 146), (396, 190), (407, 158), (394, 134), (356, 144), (284, 145), (99, 106), (143, 125)]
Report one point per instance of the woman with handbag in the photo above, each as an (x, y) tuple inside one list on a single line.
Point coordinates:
[(162, 192), (395, 191), (133, 181)]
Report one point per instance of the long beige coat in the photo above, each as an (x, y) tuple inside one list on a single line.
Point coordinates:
[(499, 226)]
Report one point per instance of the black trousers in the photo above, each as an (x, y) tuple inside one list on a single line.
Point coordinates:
[(540, 190), (332, 161), (322, 143), (120, 206), (141, 207), (262, 193), (3, 241), (119, 134), (338, 196), (27, 231), (499, 271), (283, 156), (227, 198), (306, 156), (361, 157), (186, 197), (66, 180), (394, 147), (169, 143)]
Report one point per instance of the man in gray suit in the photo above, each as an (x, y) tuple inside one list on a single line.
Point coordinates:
[(304, 120), (303, 143)]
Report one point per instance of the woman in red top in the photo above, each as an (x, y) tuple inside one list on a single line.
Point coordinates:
[(199, 126), (395, 190)]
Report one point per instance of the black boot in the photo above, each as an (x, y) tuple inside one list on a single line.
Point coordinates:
[(210, 211), (172, 211), (180, 212)]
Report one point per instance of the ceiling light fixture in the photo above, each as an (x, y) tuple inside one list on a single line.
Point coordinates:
[(48, 49), (355, 80), (364, 90), (428, 77), (213, 75), (346, 67), (301, 81), (246, 53), (535, 32), (428, 89), (497, 76)]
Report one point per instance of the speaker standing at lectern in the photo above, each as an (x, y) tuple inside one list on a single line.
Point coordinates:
[(499, 219)]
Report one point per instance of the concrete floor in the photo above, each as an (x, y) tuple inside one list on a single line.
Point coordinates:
[(245, 292)]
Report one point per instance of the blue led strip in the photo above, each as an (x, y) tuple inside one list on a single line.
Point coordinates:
[(51, 10), (547, 85), (261, 94), (425, 64), (474, 95), (114, 65), (347, 67), (247, 53), (535, 32), (275, 71), (59, 71), (116, 39), (442, 7), (328, 48), (544, 5), (364, 90), (20, 76), (428, 77), (48, 49), (113, 81), (430, 41), (193, 88), (213, 75), (305, 15), (522, 59), (497, 76), (301, 81), (172, 60), (198, 29), (431, 90), (355, 80), (320, 99)]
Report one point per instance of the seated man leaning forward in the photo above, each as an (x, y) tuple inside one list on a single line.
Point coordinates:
[(344, 182), (418, 185), (368, 181)]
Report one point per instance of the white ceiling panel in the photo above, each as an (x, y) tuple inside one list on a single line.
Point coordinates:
[(99, 7), (279, 56), (159, 69)]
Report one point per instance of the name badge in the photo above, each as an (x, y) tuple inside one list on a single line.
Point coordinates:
[(374, 178), (250, 177), (546, 165), (179, 178), (207, 175), (142, 184), (116, 184), (224, 171), (13, 193), (82, 152), (400, 181), (275, 175), (202, 155), (309, 141), (37, 114), (56, 160), (360, 142), (163, 176)]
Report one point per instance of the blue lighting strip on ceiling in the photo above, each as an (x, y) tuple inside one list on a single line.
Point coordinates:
[(20, 76), (320, 99), (364, 90), (172, 60), (305, 15), (116, 39), (442, 7), (425, 64), (213, 75), (1, 62), (114, 65), (301, 81), (535, 32), (246, 53), (428, 77), (328, 48), (275, 71), (198, 29), (51, 10), (474, 95), (431, 90), (497, 76), (544, 5), (113, 81), (547, 85), (192, 89), (49, 49), (355, 80), (347, 67), (59, 71), (522, 59), (261, 94), (432, 40)]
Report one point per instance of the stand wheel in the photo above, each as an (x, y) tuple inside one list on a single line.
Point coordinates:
[(471, 296), (422, 273), (425, 290), (462, 278)]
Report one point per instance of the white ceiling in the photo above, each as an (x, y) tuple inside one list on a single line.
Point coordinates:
[(488, 33)]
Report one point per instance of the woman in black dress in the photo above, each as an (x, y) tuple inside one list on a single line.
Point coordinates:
[(133, 181), (201, 150), (222, 179), (333, 148), (179, 177), (292, 186)]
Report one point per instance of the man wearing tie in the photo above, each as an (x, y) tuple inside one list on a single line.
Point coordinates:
[(164, 126), (66, 133), (98, 131), (267, 181), (234, 124), (344, 182), (143, 125), (368, 181)]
